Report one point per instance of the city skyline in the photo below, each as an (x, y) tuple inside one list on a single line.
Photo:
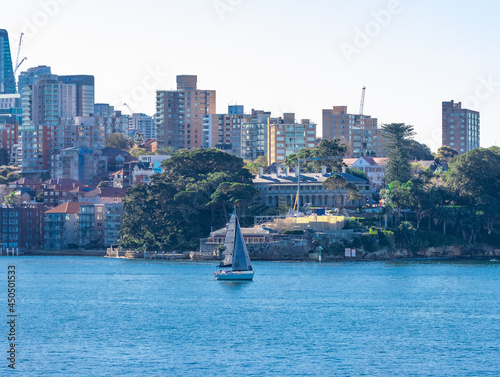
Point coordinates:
[(279, 57)]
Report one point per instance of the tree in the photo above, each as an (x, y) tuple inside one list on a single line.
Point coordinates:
[(254, 166), (398, 197), (419, 151), (343, 191), (398, 136), (446, 216), (474, 178), (445, 154), (178, 207), (136, 152), (12, 177), (329, 153), (406, 236), (119, 141), (360, 173), (198, 165), (239, 195)]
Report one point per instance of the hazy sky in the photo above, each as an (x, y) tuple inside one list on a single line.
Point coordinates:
[(284, 56)]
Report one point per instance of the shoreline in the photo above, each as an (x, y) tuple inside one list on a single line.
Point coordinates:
[(325, 259)]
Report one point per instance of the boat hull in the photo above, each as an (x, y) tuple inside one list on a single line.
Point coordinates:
[(235, 275)]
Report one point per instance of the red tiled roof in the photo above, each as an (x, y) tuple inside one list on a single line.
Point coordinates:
[(68, 207), (107, 192), (24, 181)]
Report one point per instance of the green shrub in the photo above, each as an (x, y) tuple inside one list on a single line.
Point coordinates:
[(406, 236), (297, 231), (369, 241)]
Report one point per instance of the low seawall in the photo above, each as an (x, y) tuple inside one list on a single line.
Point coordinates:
[(71, 252)]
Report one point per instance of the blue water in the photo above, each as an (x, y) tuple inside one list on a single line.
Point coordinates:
[(112, 317)]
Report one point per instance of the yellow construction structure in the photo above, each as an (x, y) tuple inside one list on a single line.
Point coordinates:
[(313, 222)]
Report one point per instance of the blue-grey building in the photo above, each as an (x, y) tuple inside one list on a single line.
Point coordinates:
[(85, 93), (7, 81)]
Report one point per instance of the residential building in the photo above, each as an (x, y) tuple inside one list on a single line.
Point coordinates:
[(103, 110), (22, 226), (373, 167), (179, 114), (285, 137), (7, 80), (103, 195), (142, 124), (79, 164), (34, 153), (9, 137), (283, 186), (69, 225), (150, 145), (59, 191), (48, 102), (146, 167), (360, 133), (30, 77), (112, 223), (84, 89), (224, 131), (461, 127), (254, 135), (236, 132), (25, 184), (10, 101)]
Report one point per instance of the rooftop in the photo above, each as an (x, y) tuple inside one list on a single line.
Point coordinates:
[(68, 207), (305, 178)]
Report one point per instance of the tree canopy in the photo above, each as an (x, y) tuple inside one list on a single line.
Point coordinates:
[(194, 193), (445, 154), (343, 191), (399, 141), (420, 152), (119, 141), (329, 152)]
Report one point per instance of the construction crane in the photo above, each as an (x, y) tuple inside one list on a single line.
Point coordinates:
[(18, 64), (300, 160), (362, 106), (129, 108)]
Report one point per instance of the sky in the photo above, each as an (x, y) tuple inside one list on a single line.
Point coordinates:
[(277, 55)]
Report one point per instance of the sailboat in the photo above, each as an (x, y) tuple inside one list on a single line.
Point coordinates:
[(235, 263)]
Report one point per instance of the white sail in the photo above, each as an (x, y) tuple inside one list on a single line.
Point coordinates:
[(241, 260)]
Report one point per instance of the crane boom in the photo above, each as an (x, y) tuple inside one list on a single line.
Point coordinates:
[(129, 108), (18, 53), (362, 106)]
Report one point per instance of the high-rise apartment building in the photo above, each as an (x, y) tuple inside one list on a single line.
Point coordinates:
[(285, 137), (244, 135), (254, 135), (103, 110), (142, 124), (179, 114), (461, 127), (360, 133), (84, 88), (49, 108), (48, 102), (7, 80)]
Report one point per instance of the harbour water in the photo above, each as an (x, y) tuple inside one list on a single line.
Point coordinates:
[(109, 317)]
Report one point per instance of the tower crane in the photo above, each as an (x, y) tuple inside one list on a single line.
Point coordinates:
[(18, 64), (129, 108), (362, 106)]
